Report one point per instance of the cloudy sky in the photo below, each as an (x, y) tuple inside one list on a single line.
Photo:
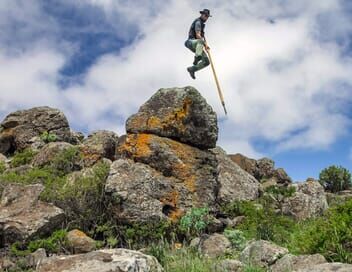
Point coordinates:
[(285, 68)]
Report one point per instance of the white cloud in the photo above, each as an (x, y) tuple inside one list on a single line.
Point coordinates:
[(279, 80)]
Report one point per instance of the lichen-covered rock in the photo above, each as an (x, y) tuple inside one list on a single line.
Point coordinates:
[(229, 266), (142, 194), (234, 182), (79, 242), (262, 253), (266, 168), (49, 152), (328, 267), (308, 201), (214, 245), (98, 145), (107, 260), (177, 113), (194, 169), (293, 263), (247, 164), (20, 127), (23, 216)]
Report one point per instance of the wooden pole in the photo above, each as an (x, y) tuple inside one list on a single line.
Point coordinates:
[(216, 79)]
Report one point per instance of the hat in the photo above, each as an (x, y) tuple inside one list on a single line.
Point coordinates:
[(206, 12)]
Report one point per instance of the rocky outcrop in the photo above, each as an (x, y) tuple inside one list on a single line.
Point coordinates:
[(177, 113), (98, 145), (79, 242), (23, 216), (296, 263), (328, 267), (308, 201), (214, 245), (19, 128), (49, 152), (234, 182), (107, 260), (263, 170), (262, 253)]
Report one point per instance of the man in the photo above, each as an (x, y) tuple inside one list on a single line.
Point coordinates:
[(196, 43)]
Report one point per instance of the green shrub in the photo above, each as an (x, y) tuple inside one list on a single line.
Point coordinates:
[(66, 161), (2, 167), (48, 137), (195, 222), (23, 157), (236, 237), (330, 235), (335, 179)]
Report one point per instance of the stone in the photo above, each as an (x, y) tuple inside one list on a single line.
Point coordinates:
[(195, 170), (266, 168), (98, 145), (177, 113), (79, 242), (247, 164), (293, 263), (23, 216), (107, 260), (282, 177), (235, 183), (229, 266), (214, 245), (50, 151), (37, 257), (77, 137), (308, 201), (6, 264), (195, 242), (143, 194), (262, 253), (19, 128), (328, 267)]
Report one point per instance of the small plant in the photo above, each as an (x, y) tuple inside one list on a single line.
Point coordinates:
[(56, 243), (66, 161), (23, 157), (2, 167), (335, 179), (236, 237), (48, 137), (195, 222)]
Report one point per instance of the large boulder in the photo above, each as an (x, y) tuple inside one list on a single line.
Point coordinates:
[(308, 201), (23, 216), (293, 263), (262, 253), (328, 267), (234, 182), (98, 145), (194, 169), (46, 155), (19, 128), (214, 245), (177, 113), (107, 260)]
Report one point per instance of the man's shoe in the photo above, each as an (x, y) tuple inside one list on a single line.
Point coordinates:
[(197, 59), (191, 72)]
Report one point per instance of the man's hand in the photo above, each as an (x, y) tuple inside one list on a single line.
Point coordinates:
[(206, 47)]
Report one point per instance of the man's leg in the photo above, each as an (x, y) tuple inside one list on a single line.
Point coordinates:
[(202, 64)]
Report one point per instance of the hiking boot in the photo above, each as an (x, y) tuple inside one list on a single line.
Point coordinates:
[(191, 72), (197, 59)]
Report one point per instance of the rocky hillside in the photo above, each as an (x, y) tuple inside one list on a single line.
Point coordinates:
[(154, 199)]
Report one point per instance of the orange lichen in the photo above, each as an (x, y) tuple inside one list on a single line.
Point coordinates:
[(136, 145), (171, 199), (79, 233), (154, 122), (175, 215)]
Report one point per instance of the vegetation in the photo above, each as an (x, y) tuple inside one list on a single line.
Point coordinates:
[(23, 157), (335, 179), (2, 167), (195, 222), (48, 137)]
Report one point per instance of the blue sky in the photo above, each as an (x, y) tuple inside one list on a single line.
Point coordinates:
[(285, 68)]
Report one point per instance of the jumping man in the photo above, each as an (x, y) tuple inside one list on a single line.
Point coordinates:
[(196, 43)]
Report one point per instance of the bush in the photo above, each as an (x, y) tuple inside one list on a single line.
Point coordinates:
[(66, 161), (236, 237), (195, 222), (329, 235), (335, 179), (22, 158)]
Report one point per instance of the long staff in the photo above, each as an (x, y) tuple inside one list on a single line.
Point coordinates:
[(216, 79)]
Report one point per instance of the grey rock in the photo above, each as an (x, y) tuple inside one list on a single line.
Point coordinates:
[(37, 257), (107, 260), (98, 145), (262, 253), (19, 128), (247, 164), (214, 245), (177, 113), (6, 264), (266, 168), (23, 216), (293, 263), (235, 183), (308, 201), (328, 267), (229, 266)]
